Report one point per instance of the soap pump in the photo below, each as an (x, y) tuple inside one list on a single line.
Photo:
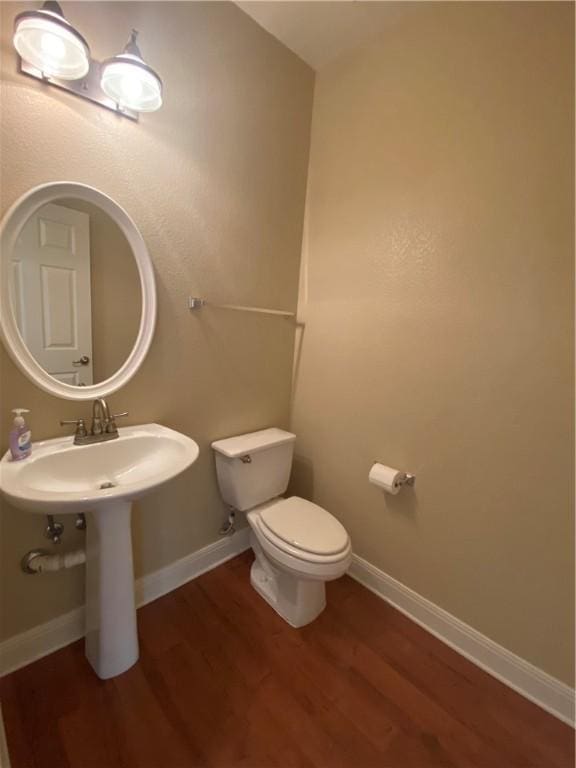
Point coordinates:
[(20, 436)]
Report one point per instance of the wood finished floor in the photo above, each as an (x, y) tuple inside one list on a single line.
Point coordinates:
[(222, 681)]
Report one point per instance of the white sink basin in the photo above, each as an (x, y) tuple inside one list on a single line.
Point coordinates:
[(62, 478)]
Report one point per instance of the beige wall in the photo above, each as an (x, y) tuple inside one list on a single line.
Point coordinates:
[(215, 181), (437, 297)]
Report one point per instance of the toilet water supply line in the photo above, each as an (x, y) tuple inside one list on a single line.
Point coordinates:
[(228, 528)]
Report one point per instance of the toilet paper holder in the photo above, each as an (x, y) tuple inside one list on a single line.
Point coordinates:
[(407, 478)]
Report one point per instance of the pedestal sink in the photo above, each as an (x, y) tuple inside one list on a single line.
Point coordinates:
[(102, 479)]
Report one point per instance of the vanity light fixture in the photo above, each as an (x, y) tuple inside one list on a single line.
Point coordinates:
[(45, 39), (53, 51), (129, 81)]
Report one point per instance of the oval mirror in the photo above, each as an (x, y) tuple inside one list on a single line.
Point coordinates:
[(77, 293)]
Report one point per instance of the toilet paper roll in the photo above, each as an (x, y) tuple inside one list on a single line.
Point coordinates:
[(387, 478)]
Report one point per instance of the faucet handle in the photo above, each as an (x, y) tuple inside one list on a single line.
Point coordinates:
[(111, 425), (80, 424)]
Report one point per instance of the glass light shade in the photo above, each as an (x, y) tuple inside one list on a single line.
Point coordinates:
[(131, 83), (46, 41)]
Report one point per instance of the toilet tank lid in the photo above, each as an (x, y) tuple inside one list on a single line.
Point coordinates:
[(233, 447)]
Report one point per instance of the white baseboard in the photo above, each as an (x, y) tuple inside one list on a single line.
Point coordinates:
[(22, 649), (154, 585), (538, 686)]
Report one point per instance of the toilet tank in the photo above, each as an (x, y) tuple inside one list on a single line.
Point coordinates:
[(254, 468)]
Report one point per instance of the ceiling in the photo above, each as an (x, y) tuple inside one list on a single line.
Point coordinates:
[(320, 30)]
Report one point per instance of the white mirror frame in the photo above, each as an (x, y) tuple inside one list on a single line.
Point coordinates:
[(10, 228)]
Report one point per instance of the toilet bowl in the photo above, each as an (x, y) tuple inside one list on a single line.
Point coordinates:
[(298, 545), (291, 574)]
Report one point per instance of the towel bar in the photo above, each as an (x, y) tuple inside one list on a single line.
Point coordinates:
[(194, 302)]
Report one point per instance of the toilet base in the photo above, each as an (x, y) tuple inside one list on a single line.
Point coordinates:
[(297, 601)]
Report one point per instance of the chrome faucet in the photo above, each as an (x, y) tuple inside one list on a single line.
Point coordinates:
[(100, 417), (103, 425)]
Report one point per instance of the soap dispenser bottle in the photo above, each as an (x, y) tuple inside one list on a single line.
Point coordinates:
[(20, 436)]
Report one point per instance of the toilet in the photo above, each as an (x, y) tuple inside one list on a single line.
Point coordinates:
[(298, 545)]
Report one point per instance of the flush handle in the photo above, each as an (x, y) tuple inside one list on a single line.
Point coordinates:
[(247, 459)]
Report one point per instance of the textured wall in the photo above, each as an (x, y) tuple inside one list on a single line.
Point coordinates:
[(215, 181), (437, 297)]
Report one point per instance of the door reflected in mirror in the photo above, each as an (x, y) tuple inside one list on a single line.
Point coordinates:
[(75, 290)]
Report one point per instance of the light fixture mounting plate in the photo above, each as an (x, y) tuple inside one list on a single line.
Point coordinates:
[(87, 88)]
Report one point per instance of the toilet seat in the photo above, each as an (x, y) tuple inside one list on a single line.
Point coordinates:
[(296, 560), (304, 528)]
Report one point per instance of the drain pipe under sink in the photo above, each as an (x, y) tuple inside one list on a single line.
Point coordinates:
[(41, 561)]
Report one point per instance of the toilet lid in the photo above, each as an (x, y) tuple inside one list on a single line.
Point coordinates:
[(305, 525)]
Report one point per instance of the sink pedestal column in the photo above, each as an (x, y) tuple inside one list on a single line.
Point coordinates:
[(111, 633)]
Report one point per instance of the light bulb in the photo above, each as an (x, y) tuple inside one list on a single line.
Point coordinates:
[(128, 81), (131, 88), (131, 84), (52, 46), (45, 40)]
